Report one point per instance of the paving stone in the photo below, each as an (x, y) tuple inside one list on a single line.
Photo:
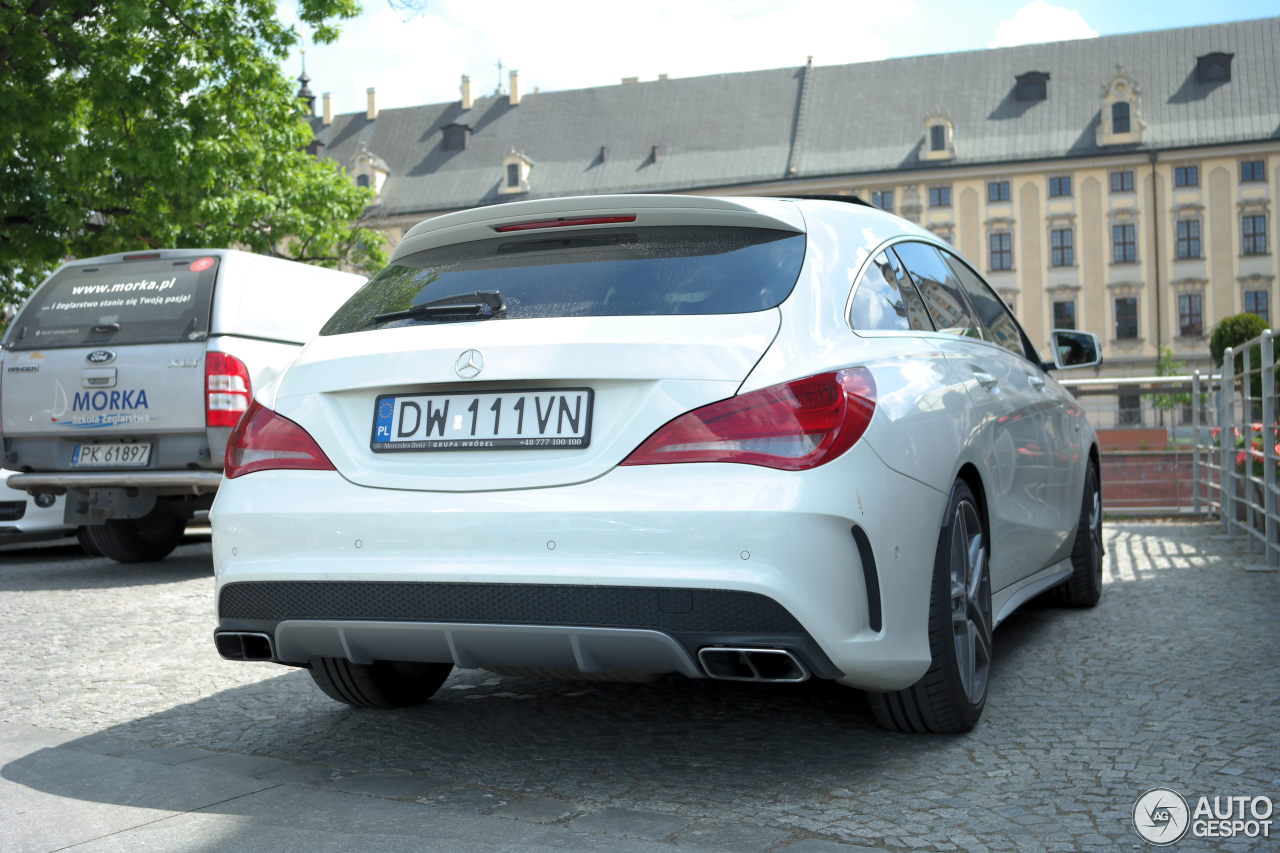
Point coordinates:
[(650, 826), (730, 835), (536, 810)]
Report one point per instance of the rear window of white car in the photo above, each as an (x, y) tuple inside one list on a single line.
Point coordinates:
[(151, 300), (601, 273)]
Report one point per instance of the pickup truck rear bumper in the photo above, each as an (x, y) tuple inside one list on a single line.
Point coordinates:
[(197, 482)]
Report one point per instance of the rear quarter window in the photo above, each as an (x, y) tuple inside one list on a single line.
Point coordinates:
[(601, 273), (159, 300)]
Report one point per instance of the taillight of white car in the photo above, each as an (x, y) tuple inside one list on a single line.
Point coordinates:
[(793, 426), (227, 389), (264, 440)]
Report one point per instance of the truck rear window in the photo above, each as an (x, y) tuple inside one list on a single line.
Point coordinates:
[(158, 300), (599, 273)]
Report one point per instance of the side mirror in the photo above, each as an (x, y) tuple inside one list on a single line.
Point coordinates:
[(1074, 349)]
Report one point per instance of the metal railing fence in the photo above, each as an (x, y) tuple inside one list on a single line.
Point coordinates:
[(1196, 445)]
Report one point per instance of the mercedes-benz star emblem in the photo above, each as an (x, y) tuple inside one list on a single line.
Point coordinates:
[(469, 364)]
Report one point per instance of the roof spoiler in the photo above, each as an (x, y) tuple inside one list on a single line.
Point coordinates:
[(482, 223)]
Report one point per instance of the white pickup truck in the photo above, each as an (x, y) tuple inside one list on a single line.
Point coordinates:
[(122, 376)]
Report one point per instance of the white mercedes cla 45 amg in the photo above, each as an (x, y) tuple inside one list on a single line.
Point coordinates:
[(619, 436)]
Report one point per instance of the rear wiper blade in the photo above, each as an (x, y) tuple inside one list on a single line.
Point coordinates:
[(460, 303)]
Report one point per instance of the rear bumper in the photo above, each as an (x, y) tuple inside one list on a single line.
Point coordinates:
[(193, 482), (704, 555)]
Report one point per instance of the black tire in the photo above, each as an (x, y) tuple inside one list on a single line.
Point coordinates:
[(86, 544), (137, 540), (381, 684), (951, 695), (1084, 587)]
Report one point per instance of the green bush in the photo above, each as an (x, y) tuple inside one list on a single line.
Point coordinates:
[(1232, 332)]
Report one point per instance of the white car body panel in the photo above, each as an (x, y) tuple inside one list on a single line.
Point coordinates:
[(644, 370), (575, 517)]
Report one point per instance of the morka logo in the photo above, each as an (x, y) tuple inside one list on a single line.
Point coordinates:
[(98, 401)]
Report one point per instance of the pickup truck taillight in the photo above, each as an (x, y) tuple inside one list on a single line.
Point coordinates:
[(264, 440), (227, 392)]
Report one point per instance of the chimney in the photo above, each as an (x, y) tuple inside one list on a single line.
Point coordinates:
[(514, 94), (328, 108), (372, 112), (629, 80), (662, 77), (465, 88)]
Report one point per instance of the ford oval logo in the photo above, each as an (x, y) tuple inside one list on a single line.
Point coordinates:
[(100, 356)]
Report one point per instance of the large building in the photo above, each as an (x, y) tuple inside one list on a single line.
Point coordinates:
[(1121, 185)]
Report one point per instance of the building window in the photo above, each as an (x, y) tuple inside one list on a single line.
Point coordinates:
[(362, 180), (1190, 315), (1124, 246), (1253, 170), (1188, 238), (1060, 186), (1253, 233), (1001, 245), (1062, 250), (513, 174), (1126, 317), (1258, 302), (883, 199), (1064, 314), (1130, 411), (940, 196), (1122, 181), (1120, 117), (1186, 176), (997, 190), (938, 137)]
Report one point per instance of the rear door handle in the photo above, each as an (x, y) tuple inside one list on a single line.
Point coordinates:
[(1036, 382)]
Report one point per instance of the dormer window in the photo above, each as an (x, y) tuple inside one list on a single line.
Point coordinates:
[(368, 169), (1032, 86), (1120, 119), (1214, 68), (455, 136), (939, 140), (515, 173)]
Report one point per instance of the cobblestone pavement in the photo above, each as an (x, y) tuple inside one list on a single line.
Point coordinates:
[(1174, 680)]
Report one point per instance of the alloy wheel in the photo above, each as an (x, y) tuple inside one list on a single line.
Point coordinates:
[(970, 601)]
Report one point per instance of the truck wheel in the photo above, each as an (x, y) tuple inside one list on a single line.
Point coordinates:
[(381, 684), (86, 544), (138, 540)]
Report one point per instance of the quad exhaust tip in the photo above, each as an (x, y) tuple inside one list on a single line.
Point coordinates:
[(773, 665), (237, 645)]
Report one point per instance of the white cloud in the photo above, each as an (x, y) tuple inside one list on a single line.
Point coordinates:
[(570, 44), (1039, 22)]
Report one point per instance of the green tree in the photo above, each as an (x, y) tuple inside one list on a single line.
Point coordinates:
[(1167, 365), (163, 123)]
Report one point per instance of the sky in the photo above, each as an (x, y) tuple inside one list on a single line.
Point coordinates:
[(418, 57)]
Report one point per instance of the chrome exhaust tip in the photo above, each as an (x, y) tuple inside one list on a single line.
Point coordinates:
[(238, 645), (772, 665)]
